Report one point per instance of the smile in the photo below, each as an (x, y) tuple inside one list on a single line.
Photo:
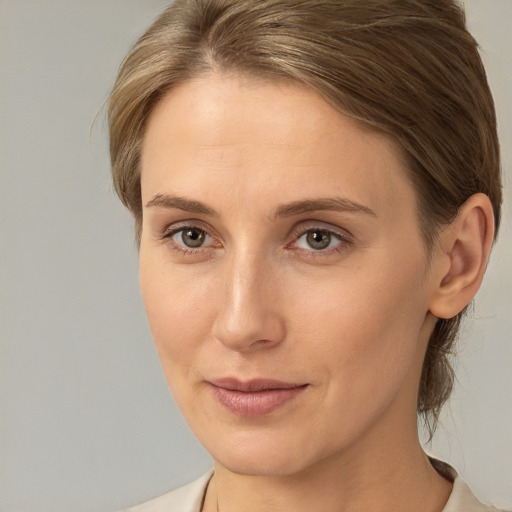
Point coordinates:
[(256, 397)]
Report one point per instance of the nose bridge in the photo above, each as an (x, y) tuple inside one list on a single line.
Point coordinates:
[(248, 315), (250, 271)]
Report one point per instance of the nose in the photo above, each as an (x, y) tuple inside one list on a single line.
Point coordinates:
[(249, 316)]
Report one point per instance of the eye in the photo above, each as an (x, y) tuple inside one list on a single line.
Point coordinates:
[(190, 237), (318, 240)]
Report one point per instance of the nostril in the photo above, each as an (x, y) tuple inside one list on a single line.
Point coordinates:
[(249, 315), (267, 331)]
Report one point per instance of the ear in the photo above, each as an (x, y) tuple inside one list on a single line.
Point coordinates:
[(461, 259)]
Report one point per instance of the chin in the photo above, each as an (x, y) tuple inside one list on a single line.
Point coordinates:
[(272, 465), (259, 455)]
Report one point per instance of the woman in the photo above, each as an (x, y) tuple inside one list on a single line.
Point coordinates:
[(316, 190)]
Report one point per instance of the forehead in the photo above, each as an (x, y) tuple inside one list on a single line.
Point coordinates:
[(263, 136), (213, 108)]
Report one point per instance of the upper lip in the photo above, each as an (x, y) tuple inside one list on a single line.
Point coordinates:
[(253, 385)]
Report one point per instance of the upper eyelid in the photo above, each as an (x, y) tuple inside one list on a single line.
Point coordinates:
[(175, 227), (303, 228)]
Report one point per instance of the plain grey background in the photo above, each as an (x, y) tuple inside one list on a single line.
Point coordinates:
[(86, 421)]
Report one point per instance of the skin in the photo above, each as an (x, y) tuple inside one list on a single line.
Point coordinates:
[(351, 321)]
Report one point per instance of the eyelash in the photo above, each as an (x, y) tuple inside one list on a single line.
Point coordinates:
[(343, 237)]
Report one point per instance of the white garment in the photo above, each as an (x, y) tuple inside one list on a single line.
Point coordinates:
[(190, 499)]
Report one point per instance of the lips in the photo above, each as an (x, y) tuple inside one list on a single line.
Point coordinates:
[(254, 398)]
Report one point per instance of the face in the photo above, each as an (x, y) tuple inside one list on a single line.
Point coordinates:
[(283, 273)]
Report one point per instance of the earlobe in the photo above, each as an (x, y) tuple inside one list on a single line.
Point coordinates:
[(464, 250)]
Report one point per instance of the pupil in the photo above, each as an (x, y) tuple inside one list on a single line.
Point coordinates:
[(193, 237), (319, 239)]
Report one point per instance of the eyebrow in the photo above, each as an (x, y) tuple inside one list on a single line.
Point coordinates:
[(338, 204), (181, 203)]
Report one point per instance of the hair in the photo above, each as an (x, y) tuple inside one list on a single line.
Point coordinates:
[(408, 68)]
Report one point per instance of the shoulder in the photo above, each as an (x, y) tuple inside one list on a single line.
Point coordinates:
[(463, 500), (190, 497), (185, 499)]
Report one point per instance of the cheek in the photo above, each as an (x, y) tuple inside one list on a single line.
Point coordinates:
[(179, 307), (362, 324)]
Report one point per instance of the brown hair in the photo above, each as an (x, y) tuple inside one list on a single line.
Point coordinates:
[(407, 67)]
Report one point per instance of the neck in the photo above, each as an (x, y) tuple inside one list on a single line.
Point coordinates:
[(387, 470)]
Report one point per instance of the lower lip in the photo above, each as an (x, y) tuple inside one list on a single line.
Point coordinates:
[(255, 403)]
